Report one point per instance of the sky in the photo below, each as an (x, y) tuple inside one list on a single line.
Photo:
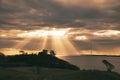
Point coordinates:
[(70, 27)]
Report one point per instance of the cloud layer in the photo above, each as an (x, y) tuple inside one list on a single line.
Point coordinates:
[(95, 20), (33, 14)]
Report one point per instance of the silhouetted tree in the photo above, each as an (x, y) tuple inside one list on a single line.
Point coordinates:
[(23, 52), (44, 52), (52, 53), (108, 65)]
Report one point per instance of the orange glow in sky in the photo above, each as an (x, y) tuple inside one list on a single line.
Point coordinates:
[(59, 40), (54, 39), (67, 26)]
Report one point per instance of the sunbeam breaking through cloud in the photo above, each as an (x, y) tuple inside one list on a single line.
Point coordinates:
[(67, 26)]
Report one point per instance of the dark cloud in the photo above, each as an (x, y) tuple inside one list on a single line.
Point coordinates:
[(108, 42), (51, 13), (98, 44), (7, 43)]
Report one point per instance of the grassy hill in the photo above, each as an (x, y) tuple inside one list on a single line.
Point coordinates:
[(29, 73)]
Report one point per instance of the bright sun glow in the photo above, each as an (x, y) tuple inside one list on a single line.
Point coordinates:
[(53, 39), (81, 38), (42, 33)]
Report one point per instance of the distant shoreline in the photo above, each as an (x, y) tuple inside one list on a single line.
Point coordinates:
[(89, 55)]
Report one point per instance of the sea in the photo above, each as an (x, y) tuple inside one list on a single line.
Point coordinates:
[(93, 62)]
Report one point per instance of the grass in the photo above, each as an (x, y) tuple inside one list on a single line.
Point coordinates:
[(29, 73)]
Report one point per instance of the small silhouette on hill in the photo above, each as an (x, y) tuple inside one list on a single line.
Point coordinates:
[(108, 65)]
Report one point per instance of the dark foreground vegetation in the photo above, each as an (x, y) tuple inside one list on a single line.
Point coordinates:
[(44, 66), (42, 59), (29, 73)]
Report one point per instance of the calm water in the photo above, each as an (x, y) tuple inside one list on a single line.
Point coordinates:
[(93, 62)]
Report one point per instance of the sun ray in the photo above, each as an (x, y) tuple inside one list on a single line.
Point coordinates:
[(54, 39), (70, 47), (44, 42), (47, 43), (59, 46), (62, 46), (22, 43)]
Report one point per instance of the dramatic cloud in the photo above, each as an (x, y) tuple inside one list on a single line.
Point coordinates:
[(85, 21)]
